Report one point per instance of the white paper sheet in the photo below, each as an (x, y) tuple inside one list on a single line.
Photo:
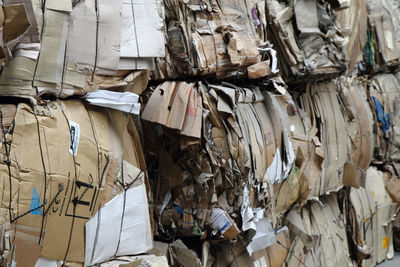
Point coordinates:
[(280, 168), (265, 236), (126, 102)]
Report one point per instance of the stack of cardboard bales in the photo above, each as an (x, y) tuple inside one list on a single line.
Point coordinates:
[(71, 168), (270, 132), (369, 213), (233, 159)]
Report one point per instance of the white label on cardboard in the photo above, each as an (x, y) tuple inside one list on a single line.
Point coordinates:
[(261, 262), (389, 39), (223, 224), (74, 134)]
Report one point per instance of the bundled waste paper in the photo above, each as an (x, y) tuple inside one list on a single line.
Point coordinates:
[(199, 133)]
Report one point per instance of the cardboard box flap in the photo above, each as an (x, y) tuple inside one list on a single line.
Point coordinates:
[(16, 22), (141, 33), (176, 105), (50, 65), (306, 16), (193, 117), (59, 5), (157, 108), (85, 49)]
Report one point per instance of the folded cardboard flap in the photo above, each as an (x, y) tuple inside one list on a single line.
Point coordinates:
[(259, 70), (15, 21), (176, 105)]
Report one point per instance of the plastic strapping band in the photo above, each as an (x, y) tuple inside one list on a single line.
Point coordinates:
[(45, 175), (97, 38)]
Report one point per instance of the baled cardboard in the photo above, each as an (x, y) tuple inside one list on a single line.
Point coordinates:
[(333, 136), (353, 22), (359, 120), (217, 38), (75, 41), (60, 171), (320, 228), (102, 22), (371, 219), (384, 17)]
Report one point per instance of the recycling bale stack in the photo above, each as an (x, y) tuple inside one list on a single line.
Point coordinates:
[(66, 163), (199, 133), (236, 157)]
